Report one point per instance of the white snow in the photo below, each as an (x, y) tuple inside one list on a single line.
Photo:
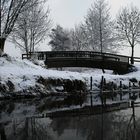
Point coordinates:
[(23, 73)]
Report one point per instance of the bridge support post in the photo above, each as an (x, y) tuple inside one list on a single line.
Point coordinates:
[(120, 90), (112, 90), (91, 81), (132, 60), (130, 90)]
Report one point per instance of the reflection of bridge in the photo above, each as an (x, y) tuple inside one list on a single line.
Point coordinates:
[(56, 59)]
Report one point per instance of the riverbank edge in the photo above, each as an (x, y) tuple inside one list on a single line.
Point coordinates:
[(45, 87)]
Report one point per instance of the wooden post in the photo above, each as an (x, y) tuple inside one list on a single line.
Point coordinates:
[(91, 103), (112, 88), (101, 90), (120, 90), (102, 82), (130, 90), (91, 83)]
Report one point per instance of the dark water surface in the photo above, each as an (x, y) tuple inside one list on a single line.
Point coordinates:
[(18, 122)]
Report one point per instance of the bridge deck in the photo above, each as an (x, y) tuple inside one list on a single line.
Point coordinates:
[(56, 59)]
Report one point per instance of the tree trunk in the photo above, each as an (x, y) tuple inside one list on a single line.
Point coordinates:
[(2, 42), (132, 56)]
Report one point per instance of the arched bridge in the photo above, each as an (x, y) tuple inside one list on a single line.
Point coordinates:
[(58, 59)]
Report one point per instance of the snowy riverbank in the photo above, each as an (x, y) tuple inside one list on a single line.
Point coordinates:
[(24, 77)]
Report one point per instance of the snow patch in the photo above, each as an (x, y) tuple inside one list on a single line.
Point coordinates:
[(23, 74)]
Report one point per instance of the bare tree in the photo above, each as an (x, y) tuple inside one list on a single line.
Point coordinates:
[(91, 27), (32, 27), (100, 27), (9, 12), (128, 27), (60, 40), (79, 39)]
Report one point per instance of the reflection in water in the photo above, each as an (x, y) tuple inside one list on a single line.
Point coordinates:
[(90, 127), (17, 122), (114, 127), (26, 129), (2, 131)]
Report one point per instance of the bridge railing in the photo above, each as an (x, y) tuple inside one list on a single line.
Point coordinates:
[(87, 54), (67, 54), (37, 55), (43, 55), (137, 59)]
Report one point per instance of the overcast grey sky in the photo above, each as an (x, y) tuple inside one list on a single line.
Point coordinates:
[(67, 13)]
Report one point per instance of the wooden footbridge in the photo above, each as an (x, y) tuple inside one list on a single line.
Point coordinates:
[(57, 59)]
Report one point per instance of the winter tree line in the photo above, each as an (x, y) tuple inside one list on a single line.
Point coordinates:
[(27, 22), (24, 22), (99, 32)]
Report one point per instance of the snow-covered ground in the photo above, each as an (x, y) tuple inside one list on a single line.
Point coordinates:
[(23, 74)]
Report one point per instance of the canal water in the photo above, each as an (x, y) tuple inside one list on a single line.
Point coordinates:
[(22, 120)]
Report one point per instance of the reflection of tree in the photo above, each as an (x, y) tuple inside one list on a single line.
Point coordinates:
[(89, 127), (119, 126), (39, 131), (60, 124), (28, 129)]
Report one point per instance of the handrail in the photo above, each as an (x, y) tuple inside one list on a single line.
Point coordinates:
[(79, 52), (87, 54)]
